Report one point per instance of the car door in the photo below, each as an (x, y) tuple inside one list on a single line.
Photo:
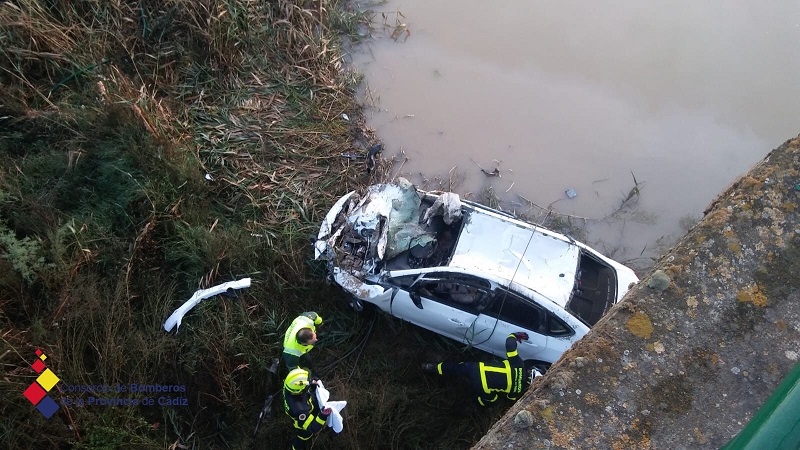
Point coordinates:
[(442, 302), (509, 312)]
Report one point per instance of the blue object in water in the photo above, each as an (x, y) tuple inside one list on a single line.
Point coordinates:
[(571, 193)]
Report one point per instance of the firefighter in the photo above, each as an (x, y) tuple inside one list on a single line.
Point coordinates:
[(301, 404), (300, 339), (489, 379)]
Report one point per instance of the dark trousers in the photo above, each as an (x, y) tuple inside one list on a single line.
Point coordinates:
[(293, 362), (300, 439), (471, 372), (467, 370)]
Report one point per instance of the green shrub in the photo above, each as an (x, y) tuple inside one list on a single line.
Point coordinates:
[(25, 255)]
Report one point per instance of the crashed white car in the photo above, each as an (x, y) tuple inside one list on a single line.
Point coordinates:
[(466, 271)]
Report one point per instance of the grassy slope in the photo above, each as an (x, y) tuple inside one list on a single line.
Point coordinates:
[(111, 115)]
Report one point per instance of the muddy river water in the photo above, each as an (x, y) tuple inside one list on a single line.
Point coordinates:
[(685, 96)]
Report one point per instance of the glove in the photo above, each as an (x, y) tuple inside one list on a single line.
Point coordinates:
[(315, 317), (520, 336)]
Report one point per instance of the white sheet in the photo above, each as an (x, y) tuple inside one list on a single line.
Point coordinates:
[(174, 321), (335, 420)]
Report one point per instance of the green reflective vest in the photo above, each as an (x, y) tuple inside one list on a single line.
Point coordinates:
[(290, 344)]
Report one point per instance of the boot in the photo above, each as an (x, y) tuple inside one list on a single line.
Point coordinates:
[(429, 368)]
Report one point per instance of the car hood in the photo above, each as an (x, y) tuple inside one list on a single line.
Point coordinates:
[(530, 258), (387, 215)]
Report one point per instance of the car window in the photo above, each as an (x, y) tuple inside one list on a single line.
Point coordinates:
[(404, 282), (557, 327), (462, 292), (510, 307)]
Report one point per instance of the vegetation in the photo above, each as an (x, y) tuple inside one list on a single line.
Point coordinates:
[(154, 148)]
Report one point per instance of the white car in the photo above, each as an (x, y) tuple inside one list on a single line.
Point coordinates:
[(468, 272)]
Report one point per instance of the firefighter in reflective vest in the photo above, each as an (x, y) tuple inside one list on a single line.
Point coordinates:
[(301, 404), (300, 339), (489, 379)]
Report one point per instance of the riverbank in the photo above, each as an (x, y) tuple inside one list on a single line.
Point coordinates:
[(152, 150)]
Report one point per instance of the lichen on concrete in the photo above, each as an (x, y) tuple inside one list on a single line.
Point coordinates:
[(752, 294), (640, 325)]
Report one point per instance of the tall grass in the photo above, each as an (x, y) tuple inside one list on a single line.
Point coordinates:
[(154, 148)]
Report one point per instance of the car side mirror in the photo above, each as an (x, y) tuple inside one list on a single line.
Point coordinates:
[(416, 299)]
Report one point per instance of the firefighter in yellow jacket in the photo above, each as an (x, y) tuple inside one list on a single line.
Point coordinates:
[(489, 379), (300, 339), (301, 404)]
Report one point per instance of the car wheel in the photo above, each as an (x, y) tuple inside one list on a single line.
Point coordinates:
[(541, 366)]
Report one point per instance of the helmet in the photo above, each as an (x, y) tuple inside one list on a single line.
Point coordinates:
[(296, 381)]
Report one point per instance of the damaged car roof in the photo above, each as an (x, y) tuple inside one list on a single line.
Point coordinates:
[(533, 259)]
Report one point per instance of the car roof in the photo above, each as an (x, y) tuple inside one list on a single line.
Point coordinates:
[(494, 244)]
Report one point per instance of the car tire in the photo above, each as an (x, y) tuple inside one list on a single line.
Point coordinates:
[(541, 366)]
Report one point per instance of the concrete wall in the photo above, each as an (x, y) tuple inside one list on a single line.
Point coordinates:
[(692, 351)]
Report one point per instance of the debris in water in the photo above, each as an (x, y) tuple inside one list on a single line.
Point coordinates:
[(494, 173), (371, 154), (571, 193)]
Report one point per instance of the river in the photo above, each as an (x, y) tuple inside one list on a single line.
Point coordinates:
[(533, 98)]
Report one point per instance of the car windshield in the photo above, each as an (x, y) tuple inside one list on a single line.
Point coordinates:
[(394, 228)]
